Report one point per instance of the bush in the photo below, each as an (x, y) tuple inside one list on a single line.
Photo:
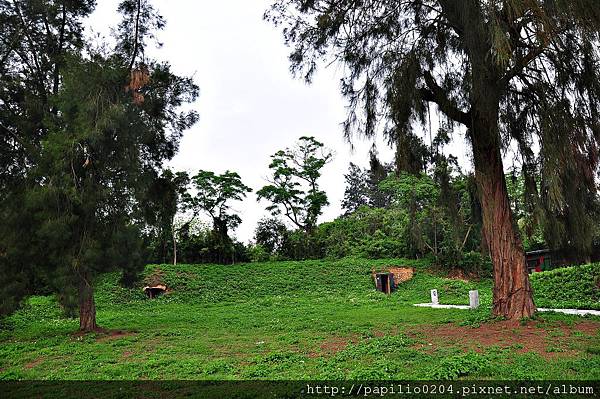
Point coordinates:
[(570, 287), (475, 263), (258, 253), (472, 264), (202, 245), (372, 233), (300, 245)]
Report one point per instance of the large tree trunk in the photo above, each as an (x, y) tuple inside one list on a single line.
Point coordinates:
[(512, 291), (87, 306)]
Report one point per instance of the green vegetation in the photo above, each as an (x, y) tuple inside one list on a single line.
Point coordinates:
[(290, 320), (575, 287), (213, 196), (88, 125), (498, 70), (90, 132), (294, 189)]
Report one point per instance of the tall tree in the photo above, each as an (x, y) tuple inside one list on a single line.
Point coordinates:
[(139, 24), (214, 194), (506, 70), (166, 195), (362, 185), (35, 36), (356, 193), (377, 173), (99, 149), (294, 189)]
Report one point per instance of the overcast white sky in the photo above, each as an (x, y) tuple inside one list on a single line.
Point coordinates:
[(250, 106)]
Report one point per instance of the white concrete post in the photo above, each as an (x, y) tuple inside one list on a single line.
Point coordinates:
[(474, 299), (434, 297)]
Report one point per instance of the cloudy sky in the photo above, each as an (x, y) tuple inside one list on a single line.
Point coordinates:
[(250, 106)]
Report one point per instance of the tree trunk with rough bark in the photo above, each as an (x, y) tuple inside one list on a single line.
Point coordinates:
[(512, 291), (87, 306)]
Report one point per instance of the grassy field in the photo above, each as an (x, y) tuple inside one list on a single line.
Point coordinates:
[(293, 320)]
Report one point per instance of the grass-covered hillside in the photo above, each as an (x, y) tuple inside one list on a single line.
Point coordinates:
[(575, 287), (342, 280), (294, 320)]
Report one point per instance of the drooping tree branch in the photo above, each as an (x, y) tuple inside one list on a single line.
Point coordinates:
[(522, 63), (434, 93)]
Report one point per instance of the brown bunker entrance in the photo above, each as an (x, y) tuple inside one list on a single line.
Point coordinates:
[(385, 282), (154, 291)]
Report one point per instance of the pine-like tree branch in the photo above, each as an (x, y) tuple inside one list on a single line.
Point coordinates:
[(521, 63), (434, 93)]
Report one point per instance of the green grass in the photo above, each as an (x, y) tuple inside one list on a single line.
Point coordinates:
[(285, 320)]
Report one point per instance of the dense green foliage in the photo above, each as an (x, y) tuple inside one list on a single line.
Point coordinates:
[(30, 74), (434, 214), (213, 194), (362, 185), (426, 216), (576, 287), (105, 121), (199, 243), (368, 232), (294, 190), (164, 199), (290, 320), (528, 219), (541, 227)]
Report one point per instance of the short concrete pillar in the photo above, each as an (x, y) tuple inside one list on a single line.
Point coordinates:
[(474, 299), (434, 297)]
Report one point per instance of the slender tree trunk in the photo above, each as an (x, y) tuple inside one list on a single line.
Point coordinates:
[(174, 242), (174, 250), (87, 307), (512, 291)]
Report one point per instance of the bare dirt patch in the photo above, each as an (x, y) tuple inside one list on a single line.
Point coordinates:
[(103, 334), (458, 274), (34, 363), (109, 335), (391, 330), (587, 327), (548, 340), (331, 346), (402, 274)]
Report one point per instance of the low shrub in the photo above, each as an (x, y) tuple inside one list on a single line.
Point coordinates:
[(476, 263), (453, 367), (575, 287)]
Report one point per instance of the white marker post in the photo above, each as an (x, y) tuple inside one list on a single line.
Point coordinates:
[(474, 299), (434, 297)]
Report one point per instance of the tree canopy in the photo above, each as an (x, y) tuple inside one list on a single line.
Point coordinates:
[(165, 198), (294, 190), (214, 194)]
